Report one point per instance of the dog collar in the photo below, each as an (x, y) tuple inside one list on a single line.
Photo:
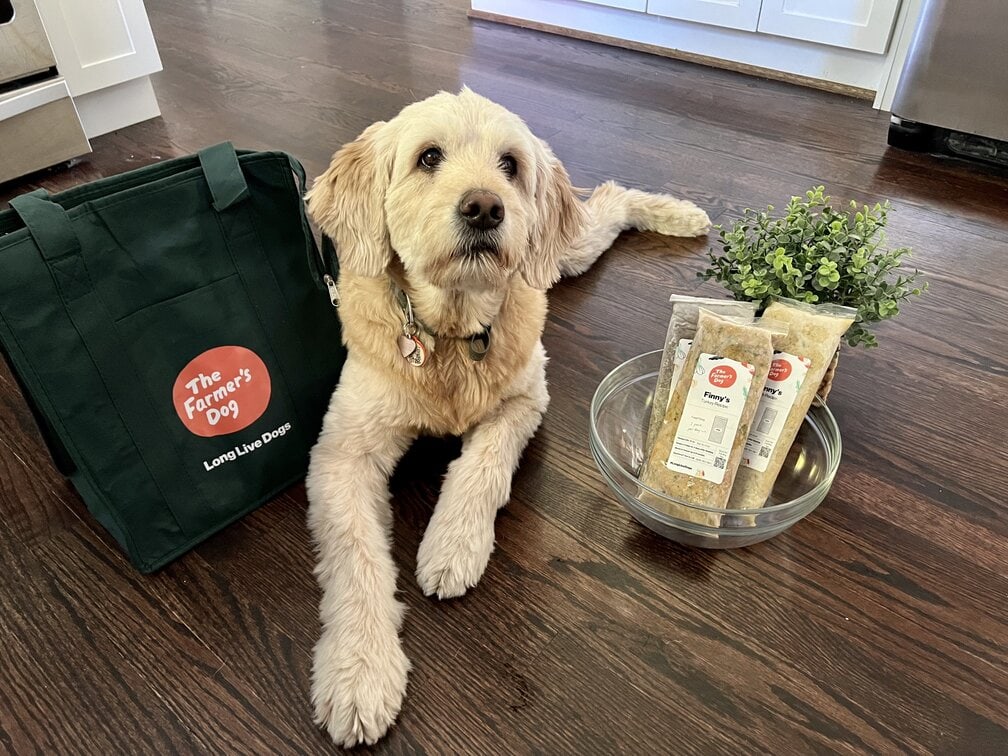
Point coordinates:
[(479, 342)]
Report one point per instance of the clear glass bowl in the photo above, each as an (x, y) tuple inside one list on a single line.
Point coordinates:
[(618, 422)]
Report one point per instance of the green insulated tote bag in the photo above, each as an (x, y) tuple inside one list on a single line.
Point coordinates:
[(171, 331)]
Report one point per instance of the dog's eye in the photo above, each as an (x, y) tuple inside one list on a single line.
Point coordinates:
[(430, 158), (509, 165)]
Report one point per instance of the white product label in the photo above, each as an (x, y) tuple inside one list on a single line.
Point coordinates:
[(682, 349), (779, 394), (710, 418)]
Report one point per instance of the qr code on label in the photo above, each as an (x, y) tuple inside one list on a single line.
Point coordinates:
[(719, 463), (764, 451)]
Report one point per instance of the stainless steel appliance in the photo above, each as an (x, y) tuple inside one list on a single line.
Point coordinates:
[(24, 48), (953, 93)]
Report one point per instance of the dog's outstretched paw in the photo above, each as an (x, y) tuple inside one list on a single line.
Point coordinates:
[(452, 557), (358, 691)]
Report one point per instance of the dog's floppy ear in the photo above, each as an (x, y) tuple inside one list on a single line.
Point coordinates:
[(348, 203), (559, 219)]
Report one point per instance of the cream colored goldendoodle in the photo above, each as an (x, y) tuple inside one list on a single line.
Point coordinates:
[(451, 221)]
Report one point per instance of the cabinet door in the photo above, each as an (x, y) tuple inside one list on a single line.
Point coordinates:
[(735, 14), (854, 24), (99, 43)]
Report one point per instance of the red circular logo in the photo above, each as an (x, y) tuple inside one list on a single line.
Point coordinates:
[(221, 391), (780, 369), (722, 376)]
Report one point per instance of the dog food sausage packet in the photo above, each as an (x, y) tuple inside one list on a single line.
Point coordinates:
[(699, 444), (682, 326), (797, 369)]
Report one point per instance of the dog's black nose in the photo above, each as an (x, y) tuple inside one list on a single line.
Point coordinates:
[(482, 209)]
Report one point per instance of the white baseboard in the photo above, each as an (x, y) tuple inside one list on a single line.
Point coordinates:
[(116, 107)]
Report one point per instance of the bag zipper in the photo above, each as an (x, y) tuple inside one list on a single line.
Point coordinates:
[(330, 284)]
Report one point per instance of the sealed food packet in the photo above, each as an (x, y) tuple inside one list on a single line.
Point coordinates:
[(814, 333), (683, 325), (699, 444)]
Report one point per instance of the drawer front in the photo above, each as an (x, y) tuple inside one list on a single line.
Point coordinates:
[(39, 127), (24, 47), (634, 5), (733, 14)]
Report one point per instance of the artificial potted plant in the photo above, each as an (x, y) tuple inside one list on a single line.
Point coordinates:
[(817, 253)]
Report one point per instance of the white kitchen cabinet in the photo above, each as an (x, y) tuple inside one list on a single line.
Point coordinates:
[(734, 14), (99, 43), (105, 51), (856, 47), (70, 70), (853, 24)]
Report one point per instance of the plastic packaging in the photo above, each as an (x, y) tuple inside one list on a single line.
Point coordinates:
[(683, 325), (699, 444), (814, 333)]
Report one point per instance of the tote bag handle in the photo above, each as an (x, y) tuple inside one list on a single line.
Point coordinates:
[(54, 236), (49, 226), (223, 175), (228, 187)]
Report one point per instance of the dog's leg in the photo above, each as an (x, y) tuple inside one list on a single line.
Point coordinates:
[(359, 672), (613, 208), (457, 544)]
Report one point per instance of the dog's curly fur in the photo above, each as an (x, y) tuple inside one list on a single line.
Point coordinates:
[(396, 222)]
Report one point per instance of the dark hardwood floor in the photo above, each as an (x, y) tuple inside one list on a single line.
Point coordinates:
[(876, 625)]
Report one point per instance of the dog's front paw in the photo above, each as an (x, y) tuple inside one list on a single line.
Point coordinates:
[(453, 555), (358, 689)]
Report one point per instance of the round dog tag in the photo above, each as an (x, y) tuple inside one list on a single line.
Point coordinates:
[(417, 355)]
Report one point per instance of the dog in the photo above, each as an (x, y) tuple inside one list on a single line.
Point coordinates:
[(451, 221)]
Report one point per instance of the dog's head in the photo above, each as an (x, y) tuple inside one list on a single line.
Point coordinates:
[(458, 188)]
